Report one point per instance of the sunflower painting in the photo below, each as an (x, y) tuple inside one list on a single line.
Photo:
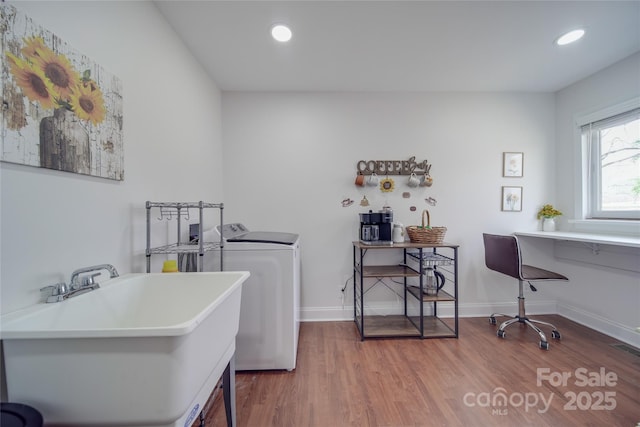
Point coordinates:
[(60, 109)]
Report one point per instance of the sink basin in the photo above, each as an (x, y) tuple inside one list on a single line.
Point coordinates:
[(143, 349)]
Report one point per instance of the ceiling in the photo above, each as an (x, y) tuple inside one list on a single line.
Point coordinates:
[(404, 45)]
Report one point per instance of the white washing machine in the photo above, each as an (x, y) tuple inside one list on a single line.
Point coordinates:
[(270, 308)]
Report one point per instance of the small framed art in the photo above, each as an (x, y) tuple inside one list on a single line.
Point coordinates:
[(512, 164), (512, 199)]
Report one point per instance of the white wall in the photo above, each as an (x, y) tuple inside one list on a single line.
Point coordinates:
[(603, 298), (55, 222), (290, 159)]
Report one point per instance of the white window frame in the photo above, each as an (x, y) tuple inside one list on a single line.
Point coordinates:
[(587, 215)]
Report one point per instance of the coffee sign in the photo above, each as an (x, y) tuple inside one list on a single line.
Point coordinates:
[(393, 167)]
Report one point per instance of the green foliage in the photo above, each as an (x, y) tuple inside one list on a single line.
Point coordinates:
[(548, 211)]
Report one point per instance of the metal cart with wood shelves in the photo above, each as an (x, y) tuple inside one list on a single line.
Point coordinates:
[(421, 317), (180, 211)]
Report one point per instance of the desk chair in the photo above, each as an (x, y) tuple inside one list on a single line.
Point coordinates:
[(502, 254)]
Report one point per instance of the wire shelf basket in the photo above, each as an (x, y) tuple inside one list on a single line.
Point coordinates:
[(430, 259)]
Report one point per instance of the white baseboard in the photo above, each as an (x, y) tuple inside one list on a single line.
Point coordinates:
[(613, 329), (608, 327), (509, 308), (327, 314)]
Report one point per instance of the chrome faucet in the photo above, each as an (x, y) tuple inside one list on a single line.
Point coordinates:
[(89, 279), (78, 285)]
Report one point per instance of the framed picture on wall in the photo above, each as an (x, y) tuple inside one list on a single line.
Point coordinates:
[(62, 110), (512, 199), (512, 164)]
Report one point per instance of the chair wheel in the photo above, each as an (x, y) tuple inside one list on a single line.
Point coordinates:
[(544, 345), (492, 320), (501, 333), (555, 334)]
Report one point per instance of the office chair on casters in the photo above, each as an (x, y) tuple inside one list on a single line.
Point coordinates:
[(502, 254)]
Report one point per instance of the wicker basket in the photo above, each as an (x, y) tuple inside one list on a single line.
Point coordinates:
[(426, 233)]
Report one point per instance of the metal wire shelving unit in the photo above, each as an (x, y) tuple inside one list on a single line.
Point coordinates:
[(179, 211)]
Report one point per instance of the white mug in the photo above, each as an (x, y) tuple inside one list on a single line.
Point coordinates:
[(373, 179), (427, 181), (414, 181)]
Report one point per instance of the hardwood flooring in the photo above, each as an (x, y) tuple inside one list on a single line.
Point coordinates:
[(476, 380)]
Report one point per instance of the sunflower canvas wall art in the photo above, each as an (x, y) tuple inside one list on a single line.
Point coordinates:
[(60, 110)]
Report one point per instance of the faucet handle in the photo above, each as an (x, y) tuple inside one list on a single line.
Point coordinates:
[(89, 280), (57, 289)]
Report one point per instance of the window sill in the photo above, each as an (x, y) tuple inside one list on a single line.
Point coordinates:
[(626, 228)]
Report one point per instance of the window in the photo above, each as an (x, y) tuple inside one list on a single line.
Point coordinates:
[(612, 148)]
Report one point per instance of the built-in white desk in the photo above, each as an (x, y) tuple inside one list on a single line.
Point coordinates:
[(593, 239), (624, 257)]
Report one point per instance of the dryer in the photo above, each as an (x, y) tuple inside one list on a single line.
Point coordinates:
[(270, 308)]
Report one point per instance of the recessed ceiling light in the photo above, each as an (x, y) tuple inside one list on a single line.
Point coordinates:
[(570, 37), (281, 33)]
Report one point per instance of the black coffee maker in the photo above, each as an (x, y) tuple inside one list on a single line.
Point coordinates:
[(376, 228)]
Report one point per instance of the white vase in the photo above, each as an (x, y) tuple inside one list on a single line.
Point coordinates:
[(549, 224)]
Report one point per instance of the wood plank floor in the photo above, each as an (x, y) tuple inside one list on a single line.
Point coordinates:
[(342, 381)]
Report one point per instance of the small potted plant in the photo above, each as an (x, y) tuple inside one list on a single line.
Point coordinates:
[(548, 214)]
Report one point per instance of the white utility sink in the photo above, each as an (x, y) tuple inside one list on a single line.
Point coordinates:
[(143, 349)]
